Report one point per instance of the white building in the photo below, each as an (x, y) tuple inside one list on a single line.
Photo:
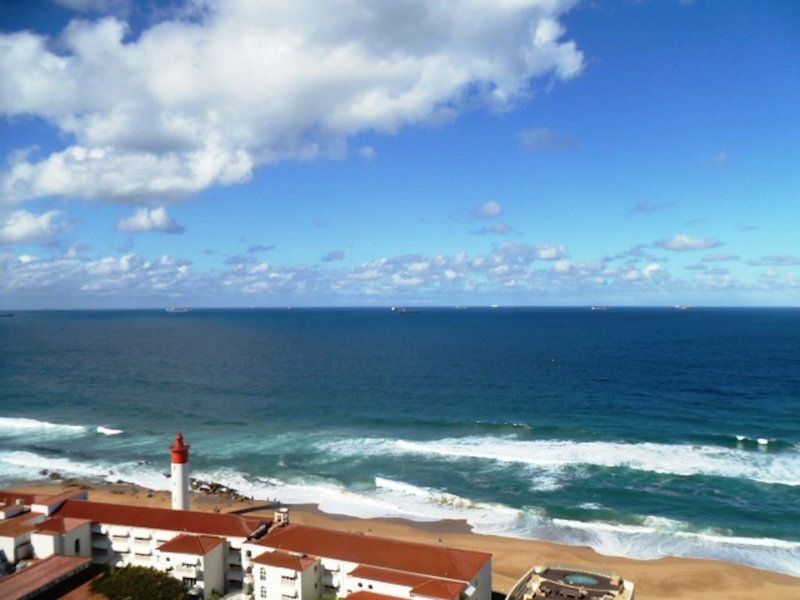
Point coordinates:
[(198, 560), (147, 537), (308, 563), (269, 558)]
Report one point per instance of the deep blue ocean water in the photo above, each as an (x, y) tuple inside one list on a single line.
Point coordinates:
[(635, 431)]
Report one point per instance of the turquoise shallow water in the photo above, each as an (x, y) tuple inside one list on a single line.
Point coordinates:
[(635, 431)]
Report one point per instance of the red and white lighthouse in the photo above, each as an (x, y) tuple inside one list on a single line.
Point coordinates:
[(180, 474)]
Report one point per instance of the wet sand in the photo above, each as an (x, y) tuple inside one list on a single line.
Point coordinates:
[(662, 579)]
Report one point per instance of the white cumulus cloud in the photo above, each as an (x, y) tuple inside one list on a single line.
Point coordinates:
[(23, 227), (156, 219), (194, 102)]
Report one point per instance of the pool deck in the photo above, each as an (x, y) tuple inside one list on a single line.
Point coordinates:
[(554, 582)]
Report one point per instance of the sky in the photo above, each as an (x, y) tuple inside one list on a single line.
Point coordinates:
[(425, 152)]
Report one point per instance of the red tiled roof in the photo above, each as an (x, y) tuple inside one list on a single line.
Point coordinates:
[(10, 498), (199, 545), (59, 498), (190, 521), (439, 588), (369, 596), (425, 559), (31, 580), (285, 560), (388, 576), (61, 524), (20, 524), (419, 584), (49, 500)]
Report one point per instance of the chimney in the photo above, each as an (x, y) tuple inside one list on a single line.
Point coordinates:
[(281, 517), (180, 474)]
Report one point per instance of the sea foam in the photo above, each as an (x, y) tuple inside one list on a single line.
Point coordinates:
[(674, 459), (108, 431), (15, 426)]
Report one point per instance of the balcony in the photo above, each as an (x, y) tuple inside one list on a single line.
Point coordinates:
[(163, 536), (141, 561), (142, 548), (185, 571), (142, 534)]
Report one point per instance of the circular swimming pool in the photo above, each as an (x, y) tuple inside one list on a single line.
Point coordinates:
[(580, 579)]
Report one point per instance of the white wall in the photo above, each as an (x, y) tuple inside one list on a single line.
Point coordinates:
[(311, 582), (208, 570), (8, 548), (269, 578), (483, 582), (45, 544), (214, 570)]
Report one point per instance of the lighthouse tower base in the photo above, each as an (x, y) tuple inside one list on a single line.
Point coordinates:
[(180, 486)]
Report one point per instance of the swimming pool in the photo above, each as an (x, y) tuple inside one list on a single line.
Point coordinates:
[(580, 579)]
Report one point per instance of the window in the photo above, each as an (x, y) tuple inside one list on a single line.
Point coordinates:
[(263, 574), (77, 547), (263, 592), (189, 582)]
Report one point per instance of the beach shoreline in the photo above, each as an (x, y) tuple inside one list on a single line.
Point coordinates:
[(673, 578)]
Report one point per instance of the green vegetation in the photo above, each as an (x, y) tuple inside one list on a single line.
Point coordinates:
[(133, 583)]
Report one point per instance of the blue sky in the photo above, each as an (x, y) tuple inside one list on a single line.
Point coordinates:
[(535, 152)]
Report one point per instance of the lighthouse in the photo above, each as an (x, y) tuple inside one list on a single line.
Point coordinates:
[(180, 474)]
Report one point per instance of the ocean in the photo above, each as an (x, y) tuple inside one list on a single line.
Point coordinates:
[(638, 432)]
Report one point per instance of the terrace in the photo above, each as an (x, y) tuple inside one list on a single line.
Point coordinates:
[(570, 583)]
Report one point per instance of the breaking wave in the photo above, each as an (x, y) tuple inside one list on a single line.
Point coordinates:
[(108, 431), (17, 426), (675, 459)]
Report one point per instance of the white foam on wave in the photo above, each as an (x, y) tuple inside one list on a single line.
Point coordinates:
[(387, 498), (657, 537), (16, 426), (675, 459), (25, 466), (108, 430)]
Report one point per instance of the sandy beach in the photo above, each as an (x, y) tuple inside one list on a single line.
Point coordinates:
[(662, 579)]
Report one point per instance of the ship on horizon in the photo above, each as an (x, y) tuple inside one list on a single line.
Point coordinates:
[(403, 309)]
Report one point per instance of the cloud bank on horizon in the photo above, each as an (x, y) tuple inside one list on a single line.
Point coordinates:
[(207, 95)]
